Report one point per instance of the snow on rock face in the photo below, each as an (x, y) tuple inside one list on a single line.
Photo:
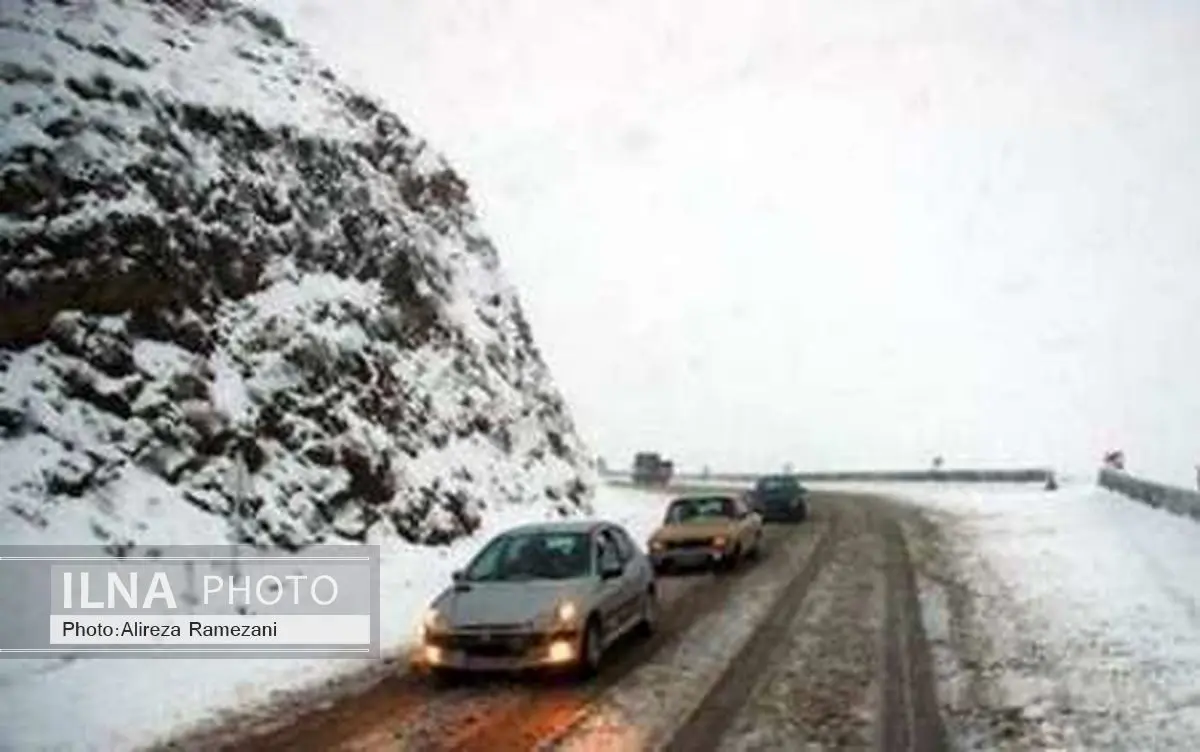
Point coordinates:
[(211, 250)]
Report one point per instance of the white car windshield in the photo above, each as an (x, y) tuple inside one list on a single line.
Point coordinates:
[(533, 556)]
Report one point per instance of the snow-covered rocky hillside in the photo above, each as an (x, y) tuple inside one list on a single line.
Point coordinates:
[(211, 250)]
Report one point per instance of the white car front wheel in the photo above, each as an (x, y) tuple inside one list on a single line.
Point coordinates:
[(591, 652)]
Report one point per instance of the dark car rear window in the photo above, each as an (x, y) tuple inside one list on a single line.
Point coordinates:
[(776, 484)]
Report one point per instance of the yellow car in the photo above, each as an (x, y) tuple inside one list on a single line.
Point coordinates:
[(711, 530)]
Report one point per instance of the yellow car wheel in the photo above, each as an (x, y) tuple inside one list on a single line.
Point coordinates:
[(756, 552)]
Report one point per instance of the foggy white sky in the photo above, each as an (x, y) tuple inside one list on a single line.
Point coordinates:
[(841, 234)]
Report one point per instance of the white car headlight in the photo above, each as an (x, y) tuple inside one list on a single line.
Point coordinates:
[(432, 622)]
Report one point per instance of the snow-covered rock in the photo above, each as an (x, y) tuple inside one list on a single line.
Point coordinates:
[(233, 286)]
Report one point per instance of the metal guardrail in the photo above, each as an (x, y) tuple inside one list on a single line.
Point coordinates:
[(1180, 501), (1012, 475)]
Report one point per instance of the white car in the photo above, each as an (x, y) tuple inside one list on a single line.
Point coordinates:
[(544, 595)]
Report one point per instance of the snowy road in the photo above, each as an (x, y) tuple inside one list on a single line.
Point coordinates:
[(841, 663), (1064, 620), (796, 641), (405, 712)]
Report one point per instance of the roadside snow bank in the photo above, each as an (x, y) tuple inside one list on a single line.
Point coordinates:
[(118, 704), (1088, 616)]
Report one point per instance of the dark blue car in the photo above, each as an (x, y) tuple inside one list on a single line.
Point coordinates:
[(779, 498)]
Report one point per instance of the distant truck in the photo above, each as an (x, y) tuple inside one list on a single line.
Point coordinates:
[(651, 469)]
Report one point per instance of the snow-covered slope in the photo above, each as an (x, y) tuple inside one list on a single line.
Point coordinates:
[(212, 250)]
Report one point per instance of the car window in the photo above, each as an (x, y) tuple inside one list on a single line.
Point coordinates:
[(700, 510), (625, 546), (486, 561), (607, 552), (532, 556), (627, 540), (776, 484)]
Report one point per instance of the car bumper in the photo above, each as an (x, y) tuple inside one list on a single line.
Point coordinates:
[(688, 557), (543, 651)]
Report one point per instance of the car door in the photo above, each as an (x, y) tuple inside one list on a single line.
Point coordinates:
[(639, 573), (754, 498), (738, 523), (612, 591), (640, 570), (747, 524), (629, 587)]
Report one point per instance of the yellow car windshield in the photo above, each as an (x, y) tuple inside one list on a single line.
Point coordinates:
[(685, 511)]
